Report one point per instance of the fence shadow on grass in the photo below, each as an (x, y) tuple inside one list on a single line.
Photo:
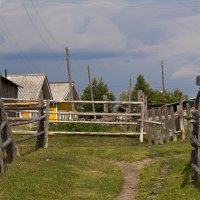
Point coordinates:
[(188, 174)]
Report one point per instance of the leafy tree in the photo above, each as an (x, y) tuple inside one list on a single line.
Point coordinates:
[(153, 96), (99, 89)]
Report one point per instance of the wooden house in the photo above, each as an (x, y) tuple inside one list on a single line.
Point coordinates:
[(9, 89), (60, 92), (31, 87)]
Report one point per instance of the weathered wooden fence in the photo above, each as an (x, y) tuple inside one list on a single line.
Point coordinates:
[(195, 136), (135, 117), (164, 124), (8, 120)]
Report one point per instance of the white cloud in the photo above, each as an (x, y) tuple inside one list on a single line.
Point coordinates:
[(184, 72)]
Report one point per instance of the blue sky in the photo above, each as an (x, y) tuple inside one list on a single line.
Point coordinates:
[(119, 39)]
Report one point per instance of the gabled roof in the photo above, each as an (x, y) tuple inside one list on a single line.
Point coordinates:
[(8, 81), (31, 85), (61, 91)]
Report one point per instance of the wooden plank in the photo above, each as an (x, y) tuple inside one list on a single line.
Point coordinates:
[(172, 124), (167, 136), (93, 122), (161, 126), (6, 143), (154, 126), (196, 168), (148, 128), (25, 108), (101, 102), (30, 137), (40, 125), (1, 161), (46, 128), (96, 133), (21, 104), (32, 120), (98, 114)]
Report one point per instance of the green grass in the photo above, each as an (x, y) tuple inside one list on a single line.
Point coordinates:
[(79, 167)]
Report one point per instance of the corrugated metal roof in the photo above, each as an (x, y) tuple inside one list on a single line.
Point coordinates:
[(31, 85), (59, 90)]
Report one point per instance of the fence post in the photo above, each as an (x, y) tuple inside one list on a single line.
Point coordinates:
[(46, 134), (140, 97), (40, 125), (172, 124), (154, 126), (161, 126), (167, 136), (180, 111)]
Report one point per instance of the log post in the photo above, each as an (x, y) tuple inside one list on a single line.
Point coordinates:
[(46, 129), (167, 136), (180, 110), (148, 127), (154, 126), (140, 97), (161, 126), (40, 125), (173, 124)]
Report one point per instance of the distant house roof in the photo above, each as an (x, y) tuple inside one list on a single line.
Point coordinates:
[(61, 91), (31, 85)]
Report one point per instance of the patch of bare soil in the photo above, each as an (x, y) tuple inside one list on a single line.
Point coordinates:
[(131, 173)]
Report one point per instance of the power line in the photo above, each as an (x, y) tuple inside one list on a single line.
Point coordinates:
[(42, 21), (35, 26), (12, 42)]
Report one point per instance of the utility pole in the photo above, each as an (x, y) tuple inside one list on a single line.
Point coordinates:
[(69, 78), (163, 84), (91, 90), (129, 96)]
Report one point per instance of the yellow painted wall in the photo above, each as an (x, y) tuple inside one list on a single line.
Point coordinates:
[(64, 106), (53, 108), (25, 115)]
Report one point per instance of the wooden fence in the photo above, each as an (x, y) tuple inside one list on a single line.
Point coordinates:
[(163, 124), (195, 136), (8, 147)]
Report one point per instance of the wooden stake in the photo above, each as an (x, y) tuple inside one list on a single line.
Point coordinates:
[(91, 90), (69, 78)]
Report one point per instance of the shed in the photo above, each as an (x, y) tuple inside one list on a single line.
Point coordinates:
[(61, 92), (9, 88), (31, 86)]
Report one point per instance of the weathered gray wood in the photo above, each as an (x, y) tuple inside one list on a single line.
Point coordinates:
[(148, 131), (161, 126), (6, 143), (46, 129), (154, 127), (96, 133), (32, 120), (40, 125), (30, 137), (91, 91), (1, 161), (182, 124), (167, 136), (172, 124), (101, 102), (25, 108), (92, 122), (99, 114)]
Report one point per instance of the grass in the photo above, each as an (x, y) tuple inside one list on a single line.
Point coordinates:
[(79, 167)]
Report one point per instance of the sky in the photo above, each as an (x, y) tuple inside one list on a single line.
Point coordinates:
[(119, 39)]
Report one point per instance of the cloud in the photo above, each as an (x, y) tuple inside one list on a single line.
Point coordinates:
[(184, 72)]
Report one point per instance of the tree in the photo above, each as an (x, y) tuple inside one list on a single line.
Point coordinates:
[(141, 84), (99, 89), (153, 96)]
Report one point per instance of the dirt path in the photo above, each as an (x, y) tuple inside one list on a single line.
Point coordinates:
[(131, 173)]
